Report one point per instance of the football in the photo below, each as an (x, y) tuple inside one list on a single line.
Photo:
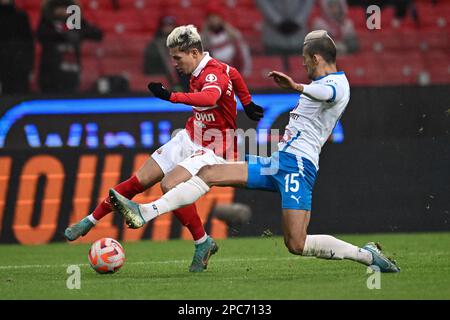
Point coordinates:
[(106, 255)]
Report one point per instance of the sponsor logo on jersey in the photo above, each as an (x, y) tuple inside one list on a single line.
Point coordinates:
[(204, 116), (211, 78)]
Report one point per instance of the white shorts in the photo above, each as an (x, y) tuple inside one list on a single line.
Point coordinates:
[(181, 151)]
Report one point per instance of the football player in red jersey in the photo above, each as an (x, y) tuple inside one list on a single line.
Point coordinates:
[(204, 141)]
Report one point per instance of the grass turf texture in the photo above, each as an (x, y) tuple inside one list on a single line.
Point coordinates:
[(244, 268)]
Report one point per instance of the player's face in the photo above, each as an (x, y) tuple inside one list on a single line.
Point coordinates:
[(184, 62), (309, 63)]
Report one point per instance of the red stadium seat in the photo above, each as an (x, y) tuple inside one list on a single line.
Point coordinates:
[(140, 4), (361, 69), (296, 69), (247, 19), (138, 82), (120, 22), (97, 5), (193, 16), (379, 40), (261, 66), (120, 66), (89, 73), (438, 66), (434, 40), (401, 68), (358, 16)]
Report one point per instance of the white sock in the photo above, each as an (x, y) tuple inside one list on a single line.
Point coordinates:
[(92, 219), (328, 247), (202, 239), (184, 193)]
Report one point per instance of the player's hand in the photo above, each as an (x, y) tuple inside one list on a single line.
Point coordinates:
[(283, 80), (253, 111), (159, 91)]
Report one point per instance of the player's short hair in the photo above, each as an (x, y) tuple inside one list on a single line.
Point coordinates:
[(319, 42), (185, 38)]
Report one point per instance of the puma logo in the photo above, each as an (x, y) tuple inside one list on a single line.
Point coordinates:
[(296, 198)]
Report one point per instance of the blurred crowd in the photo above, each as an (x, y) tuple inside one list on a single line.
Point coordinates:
[(276, 29)]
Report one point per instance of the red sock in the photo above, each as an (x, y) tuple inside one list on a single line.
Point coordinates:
[(188, 216), (128, 188)]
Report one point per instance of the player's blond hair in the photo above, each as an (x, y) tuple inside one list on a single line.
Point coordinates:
[(185, 38), (318, 34), (319, 41)]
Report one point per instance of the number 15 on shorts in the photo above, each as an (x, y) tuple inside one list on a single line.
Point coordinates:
[(292, 182)]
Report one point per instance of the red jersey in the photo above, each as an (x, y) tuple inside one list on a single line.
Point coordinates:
[(211, 95)]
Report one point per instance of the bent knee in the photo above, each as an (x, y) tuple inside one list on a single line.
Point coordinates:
[(295, 247), (167, 184), (206, 173)]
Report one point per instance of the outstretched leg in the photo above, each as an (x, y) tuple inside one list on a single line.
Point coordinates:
[(295, 224), (149, 174), (136, 215)]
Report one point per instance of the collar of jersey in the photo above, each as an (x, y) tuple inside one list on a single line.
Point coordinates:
[(202, 64), (339, 72)]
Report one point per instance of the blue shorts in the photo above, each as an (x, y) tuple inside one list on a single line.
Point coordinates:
[(292, 176)]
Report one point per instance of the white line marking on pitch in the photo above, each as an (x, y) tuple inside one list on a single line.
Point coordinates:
[(32, 266)]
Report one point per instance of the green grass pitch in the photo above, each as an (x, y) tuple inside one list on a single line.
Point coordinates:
[(244, 268)]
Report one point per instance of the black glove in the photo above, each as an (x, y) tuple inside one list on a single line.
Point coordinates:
[(253, 111), (288, 27), (159, 91)]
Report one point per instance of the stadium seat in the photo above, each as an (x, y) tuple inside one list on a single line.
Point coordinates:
[(247, 19), (138, 81), (358, 16), (193, 16), (262, 65), (401, 69), (379, 40), (89, 73), (124, 21), (438, 66), (296, 69), (97, 5), (361, 69), (434, 40), (140, 4), (253, 40), (120, 66)]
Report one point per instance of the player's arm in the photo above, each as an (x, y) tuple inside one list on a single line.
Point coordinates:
[(205, 98), (316, 91), (252, 110)]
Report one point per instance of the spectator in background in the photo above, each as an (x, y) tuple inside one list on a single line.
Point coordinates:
[(224, 42), (16, 49), (60, 64), (285, 25), (334, 19), (157, 59)]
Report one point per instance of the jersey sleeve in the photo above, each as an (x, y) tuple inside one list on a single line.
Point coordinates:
[(206, 98), (240, 88), (329, 92), (215, 79)]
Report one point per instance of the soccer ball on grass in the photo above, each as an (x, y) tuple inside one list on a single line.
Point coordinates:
[(106, 255)]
